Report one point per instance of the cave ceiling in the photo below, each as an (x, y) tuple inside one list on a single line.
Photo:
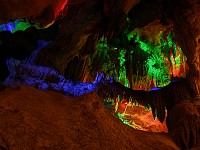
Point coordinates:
[(81, 23)]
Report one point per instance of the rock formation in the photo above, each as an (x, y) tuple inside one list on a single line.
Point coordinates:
[(83, 23)]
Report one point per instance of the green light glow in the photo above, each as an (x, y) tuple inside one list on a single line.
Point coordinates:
[(130, 36), (14, 26), (139, 62), (169, 39), (111, 61), (156, 66), (121, 117), (156, 69), (144, 46), (21, 26), (122, 72), (104, 59)]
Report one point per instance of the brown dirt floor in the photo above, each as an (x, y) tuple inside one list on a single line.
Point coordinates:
[(31, 119)]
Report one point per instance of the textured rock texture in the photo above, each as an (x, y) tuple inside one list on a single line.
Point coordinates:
[(183, 124), (43, 12), (33, 119)]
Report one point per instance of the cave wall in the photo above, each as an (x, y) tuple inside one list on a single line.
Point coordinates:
[(43, 12), (187, 31), (80, 30), (77, 30)]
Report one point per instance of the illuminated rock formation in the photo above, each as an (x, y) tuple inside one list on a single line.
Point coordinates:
[(142, 44)]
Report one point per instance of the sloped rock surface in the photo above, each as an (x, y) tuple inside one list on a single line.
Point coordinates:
[(33, 119)]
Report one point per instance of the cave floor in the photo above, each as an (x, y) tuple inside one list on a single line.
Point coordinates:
[(34, 119)]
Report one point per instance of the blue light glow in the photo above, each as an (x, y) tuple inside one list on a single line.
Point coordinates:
[(9, 26), (15, 26), (44, 78)]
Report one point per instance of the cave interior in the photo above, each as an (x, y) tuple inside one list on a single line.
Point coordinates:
[(140, 57)]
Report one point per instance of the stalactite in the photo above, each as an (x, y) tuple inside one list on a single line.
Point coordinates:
[(158, 100), (182, 115), (157, 103)]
